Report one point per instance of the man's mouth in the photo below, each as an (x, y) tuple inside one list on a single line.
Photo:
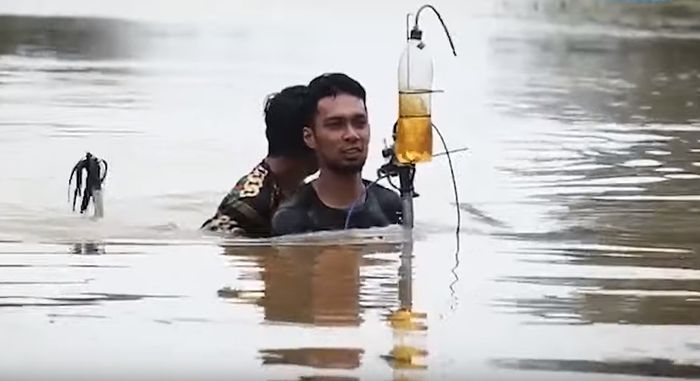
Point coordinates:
[(354, 151)]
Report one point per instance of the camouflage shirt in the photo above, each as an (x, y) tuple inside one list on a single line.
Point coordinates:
[(248, 207)]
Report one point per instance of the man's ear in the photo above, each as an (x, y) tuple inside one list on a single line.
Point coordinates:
[(309, 138)]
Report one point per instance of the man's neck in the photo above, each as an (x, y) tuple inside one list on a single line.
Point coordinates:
[(286, 173), (338, 190)]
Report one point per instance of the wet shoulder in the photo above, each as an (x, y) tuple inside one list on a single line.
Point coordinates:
[(292, 216), (303, 197), (249, 204), (385, 194), (389, 201), (257, 188), (257, 182)]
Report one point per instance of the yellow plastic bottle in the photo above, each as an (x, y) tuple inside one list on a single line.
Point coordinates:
[(414, 133)]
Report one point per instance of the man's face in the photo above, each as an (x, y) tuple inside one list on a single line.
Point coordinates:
[(340, 134)]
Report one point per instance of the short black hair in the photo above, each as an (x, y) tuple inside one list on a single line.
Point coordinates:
[(331, 85), (284, 120)]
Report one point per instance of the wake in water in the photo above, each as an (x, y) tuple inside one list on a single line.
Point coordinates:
[(60, 226)]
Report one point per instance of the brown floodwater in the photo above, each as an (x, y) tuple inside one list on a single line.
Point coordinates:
[(577, 258)]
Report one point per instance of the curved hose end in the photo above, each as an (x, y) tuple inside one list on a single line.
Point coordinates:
[(444, 26), (454, 52)]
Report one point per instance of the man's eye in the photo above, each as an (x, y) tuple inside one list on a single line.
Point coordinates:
[(360, 122), (334, 124)]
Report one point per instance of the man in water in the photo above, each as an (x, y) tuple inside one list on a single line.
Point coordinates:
[(248, 208), (338, 130)]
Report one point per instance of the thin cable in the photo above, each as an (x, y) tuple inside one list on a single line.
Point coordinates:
[(452, 173), (444, 26), (453, 151), (354, 203), (459, 216), (388, 178)]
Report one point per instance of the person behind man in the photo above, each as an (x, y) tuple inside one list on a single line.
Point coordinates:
[(248, 208), (338, 130)]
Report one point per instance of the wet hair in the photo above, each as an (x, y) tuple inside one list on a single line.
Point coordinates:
[(284, 121), (330, 85)]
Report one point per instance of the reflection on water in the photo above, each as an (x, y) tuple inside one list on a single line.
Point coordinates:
[(84, 299), (608, 133), (333, 286), (71, 37), (408, 325), (310, 285), (635, 307), (596, 171), (577, 77), (652, 367), (89, 248), (331, 358), (651, 14)]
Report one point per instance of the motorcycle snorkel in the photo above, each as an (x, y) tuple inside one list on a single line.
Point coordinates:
[(412, 133)]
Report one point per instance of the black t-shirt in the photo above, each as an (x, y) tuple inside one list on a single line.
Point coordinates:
[(305, 212)]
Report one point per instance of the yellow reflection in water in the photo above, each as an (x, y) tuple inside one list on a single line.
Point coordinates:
[(307, 285), (409, 326), (318, 285)]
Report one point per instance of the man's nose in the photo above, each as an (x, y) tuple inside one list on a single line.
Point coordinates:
[(351, 133)]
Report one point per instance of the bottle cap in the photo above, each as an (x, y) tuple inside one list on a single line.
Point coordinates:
[(416, 34)]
